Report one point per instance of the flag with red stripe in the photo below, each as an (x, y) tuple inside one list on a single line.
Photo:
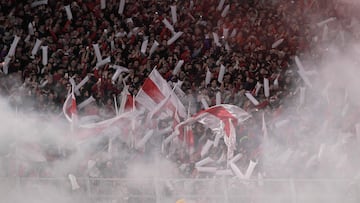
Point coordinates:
[(217, 118), (70, 107), (154, 90)]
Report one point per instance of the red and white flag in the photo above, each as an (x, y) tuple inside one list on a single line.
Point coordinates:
[(69, 107), (154, 90), (217, 118)]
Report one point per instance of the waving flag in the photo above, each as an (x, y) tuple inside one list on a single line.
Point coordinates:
[(154, 90), (69, 107), (217, 118)]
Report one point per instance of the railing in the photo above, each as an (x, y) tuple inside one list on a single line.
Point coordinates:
[(198, 190)]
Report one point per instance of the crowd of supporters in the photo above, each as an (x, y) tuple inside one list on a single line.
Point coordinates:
[(245, 49)]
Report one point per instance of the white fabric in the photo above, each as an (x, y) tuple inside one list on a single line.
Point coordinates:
[(121, 7), (13, 46), (36, 47), (252, 98), (86, 102), (44, 55), (324, 22), (68, 12), (168, 25), (208, 77), (220, 5), (39, 3), (103, 4), (103, 62), (153, 47), (277, 43), (218, 98), (174, 38), (266, 87), (144, 46), (178, 67), (225, 11), (173, 14), (97, 52), (221, 73), (216, 39)]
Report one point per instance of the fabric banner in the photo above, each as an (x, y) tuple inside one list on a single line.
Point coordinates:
[(36, 47), (68, 12), (216, 118), (174, 38), (154, 90), (121, 7)]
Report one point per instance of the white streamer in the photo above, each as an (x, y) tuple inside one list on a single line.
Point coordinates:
[(173, 14), (154, 46), (44, 55), (36, 47), (121, 7), (178, 67), (97, 52), (68, 12), (174, 38), (266, 87)]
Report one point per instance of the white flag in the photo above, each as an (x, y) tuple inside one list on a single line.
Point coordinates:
[(220, 5), (257, 88), (206, 169), (145, 139), (73, 182), (324, 22), (218, 98), (144, 45), (39, 3), (68, 12), (36, 47), (250, 169), (81, 83), (237, 171), (13, 46), (233, 32), (226, 32), (153, 47), (208, 77), (252, 98), (31, 29), (119, 70), (173, 14), (174, 38), (205, 149), (103, 62), (97, 52), (277, 43), (103, 4), (6, 65), (86, 102), (205, 161), (178, 67), (204, 103), (216, 39), (266, 87), (221, 73), (121, 7), (44, 55), (225, 11), (168, 25), (325, 33), (302, 96)]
